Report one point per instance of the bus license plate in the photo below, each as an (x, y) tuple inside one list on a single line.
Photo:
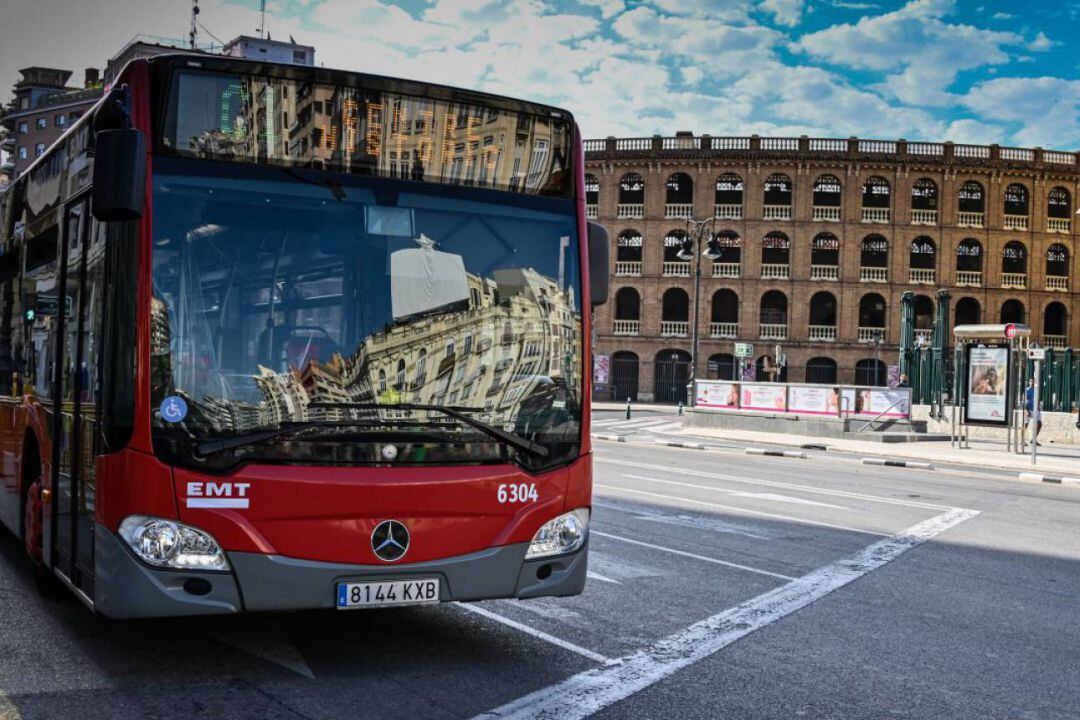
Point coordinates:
[(397, 592)]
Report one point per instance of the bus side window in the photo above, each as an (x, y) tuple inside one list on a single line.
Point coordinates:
[(40, 293), (11, 319), (117, 384)]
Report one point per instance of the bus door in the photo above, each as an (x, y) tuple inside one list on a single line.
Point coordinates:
[(75, 392)]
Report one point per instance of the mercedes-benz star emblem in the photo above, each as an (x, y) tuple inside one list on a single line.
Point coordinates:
[(390, 540)]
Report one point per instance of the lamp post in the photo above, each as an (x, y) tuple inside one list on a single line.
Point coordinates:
[(877, 352), (696, 231)]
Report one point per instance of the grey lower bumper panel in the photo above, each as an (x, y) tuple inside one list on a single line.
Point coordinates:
[(126, 588)]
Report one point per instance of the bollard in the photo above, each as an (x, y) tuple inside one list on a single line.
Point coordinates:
[(680, 408), (627, 408)]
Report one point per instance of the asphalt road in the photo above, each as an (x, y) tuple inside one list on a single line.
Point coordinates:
[(721, 586)]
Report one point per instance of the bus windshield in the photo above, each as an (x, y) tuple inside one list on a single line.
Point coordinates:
[(292, 297)]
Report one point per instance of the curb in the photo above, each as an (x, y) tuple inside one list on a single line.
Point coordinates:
[(611, 438), (1056, 479), (898, 463), (776, 453), (691, 446)]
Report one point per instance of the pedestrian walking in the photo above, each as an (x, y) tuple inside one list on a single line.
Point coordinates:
[(1034, 414)]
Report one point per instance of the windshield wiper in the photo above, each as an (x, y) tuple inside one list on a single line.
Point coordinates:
[(209, 447), (509, 438)]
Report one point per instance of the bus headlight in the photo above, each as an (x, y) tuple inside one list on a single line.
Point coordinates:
[(564, 534), (170, 544)]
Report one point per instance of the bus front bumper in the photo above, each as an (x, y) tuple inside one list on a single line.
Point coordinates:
[(127, 588)]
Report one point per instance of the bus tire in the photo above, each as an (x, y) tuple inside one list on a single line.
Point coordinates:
[(33, 533)]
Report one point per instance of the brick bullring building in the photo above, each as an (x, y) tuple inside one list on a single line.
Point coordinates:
[(813, 243)]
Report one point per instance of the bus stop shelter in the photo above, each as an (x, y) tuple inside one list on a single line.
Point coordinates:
[(988, 382)]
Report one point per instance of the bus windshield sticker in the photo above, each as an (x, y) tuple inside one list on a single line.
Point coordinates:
[(173, 409)]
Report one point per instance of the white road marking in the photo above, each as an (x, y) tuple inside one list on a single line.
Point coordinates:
[(602, 578), (689, 521), (539, 634), (683, 553), (777, 484), (593, 690), (733, 508), (263, 638), (740, 493)]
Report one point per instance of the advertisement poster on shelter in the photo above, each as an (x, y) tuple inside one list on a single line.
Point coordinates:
[(763, 397), (813, 400), (987, 385), (717, 395), (601, 369)]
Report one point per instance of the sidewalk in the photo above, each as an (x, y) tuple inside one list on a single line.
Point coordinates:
[(637, 407), (1053, 459)]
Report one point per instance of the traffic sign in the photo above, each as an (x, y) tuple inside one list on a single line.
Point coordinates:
[(744, 350), (1036, 353)]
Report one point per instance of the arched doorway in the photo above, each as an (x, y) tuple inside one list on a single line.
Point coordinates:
[(968, 311), (670, 376), (821, 370), (722, 366), (624, 376), (869, 371)]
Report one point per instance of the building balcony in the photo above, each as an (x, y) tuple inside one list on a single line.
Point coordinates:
[(827, 214), (1017, 281), (592, 211), (871, 334), (924, 336), (774, 271), (674, 328), (725, 270), (969, 278), (630, 211), (875, 215), (823, 333), (627, 327), (824, 272), (1058, 225), (628, 268), (676, 269), (776, 212), (727, 212), (922, 276), (8, 143), (1057, 282), (969, 219), (923, 217), (773, 331), (674, 211), (1057, 342), (1015, 222), (873, 274), (724, 330)]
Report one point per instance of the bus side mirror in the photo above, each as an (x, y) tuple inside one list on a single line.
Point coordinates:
[(119, 175), (599, 271)]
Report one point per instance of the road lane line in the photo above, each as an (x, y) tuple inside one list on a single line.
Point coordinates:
[(673, 551), (592, 574), (539, 634), (776, 516), (741, 493), (593, 690), (686, 521), (776, 483)]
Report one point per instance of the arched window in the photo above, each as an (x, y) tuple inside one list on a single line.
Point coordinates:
[(382, 380), (676, 306), (968, 311), (1055, 320), (778, 190), (627, 304), (971, 199), (671, 375), (729, 191), (1058, 203), (624, 376), (924, 313), (592, 190), (872, 311), (673, 243), (680, 190), (1057, 262), (421, 368), (876, 192), (631, 189), (924, 194), (1014, 258), (1012, 311), (728, 246), (774, 308), (821, 370), (827, 191), (725, 306), (722, 366), (1016, 200), (869, 371), (823, 310), (775, 250), (969, 256), (923, 254), (628, 247), (824, 253), (874, 252), (399, 380)]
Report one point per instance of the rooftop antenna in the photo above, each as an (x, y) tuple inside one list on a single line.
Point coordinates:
[(194, 23), (262, 19)]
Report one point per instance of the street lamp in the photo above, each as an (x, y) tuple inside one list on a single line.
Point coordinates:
[(696, 231)]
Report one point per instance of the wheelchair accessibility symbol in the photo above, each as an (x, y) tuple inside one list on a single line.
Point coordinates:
[(173, 409)]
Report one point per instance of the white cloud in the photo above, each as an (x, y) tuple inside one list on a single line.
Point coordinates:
[(853, 5), (973, 132), (1002, 16), (1045, 110), (687, 36), (1041, 43), (786, 12)]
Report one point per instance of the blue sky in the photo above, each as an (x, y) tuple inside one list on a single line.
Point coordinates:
[(965, 70)]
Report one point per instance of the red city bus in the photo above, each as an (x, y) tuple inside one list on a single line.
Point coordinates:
[(278, 337)]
